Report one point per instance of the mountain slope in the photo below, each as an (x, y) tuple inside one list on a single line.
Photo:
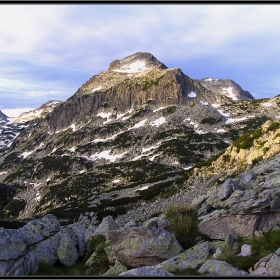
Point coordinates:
[(128, 136), (226, 87)]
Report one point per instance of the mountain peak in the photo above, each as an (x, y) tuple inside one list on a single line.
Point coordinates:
[(138, 62)]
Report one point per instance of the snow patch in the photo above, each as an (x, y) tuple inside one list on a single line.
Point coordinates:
[(158, 109), (158, 122), (200, 132), (224, 114), (72, 149), (267, 104), (116, 181), (106, 155), (3, 173), (82, 171), (204, 103), (143, 188), (192, 94), (105, 116), (238, 120), (96, 89), (220, 130), (215, 105), (137, 125), (230, 93), (188, 167), (134, 67)]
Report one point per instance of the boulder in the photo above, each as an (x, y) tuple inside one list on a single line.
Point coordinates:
[(141, 246), (89, 232), (46, 251), (79, 232), (117, 269), (220, 268), (108, 223), (246, 250), (5, 266), (219, 226), (146, 271), (25, 265), (189, 259), (273, 266), (37, 230), (157, 222), (67, 251), (131, 223), (12, 244), (226, 189)]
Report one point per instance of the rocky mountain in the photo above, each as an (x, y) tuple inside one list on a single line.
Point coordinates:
[(10, 128), (125, 144), (226, 87), (37, 113)]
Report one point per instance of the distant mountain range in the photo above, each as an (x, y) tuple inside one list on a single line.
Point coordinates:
[(127, 137)]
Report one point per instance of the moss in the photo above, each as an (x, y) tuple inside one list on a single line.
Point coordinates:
[(14, 207)]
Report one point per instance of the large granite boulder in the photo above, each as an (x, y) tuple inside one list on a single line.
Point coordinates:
[(108, 223), (189, 259), (67, 251), (12, 244), (220, 268), (141, 246)]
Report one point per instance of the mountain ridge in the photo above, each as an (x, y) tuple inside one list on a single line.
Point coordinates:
[(106, 150)]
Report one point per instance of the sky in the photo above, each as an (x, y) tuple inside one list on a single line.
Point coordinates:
[(48, 51)]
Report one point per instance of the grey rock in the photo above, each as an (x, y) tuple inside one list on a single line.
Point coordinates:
[(146, 271), (190, 258), (5, 266), (12, 244), (218, 253), (219, 225), (79, 231), (229, 240), (260, 271), (141, 246), (25, 265), (221, 268), (225, 189), (37, 230), (89, 232), (67, 251), (46, 250), (246, 250), (131, 223), (157, 222), (116, 270), (108, 223), (273, 266)]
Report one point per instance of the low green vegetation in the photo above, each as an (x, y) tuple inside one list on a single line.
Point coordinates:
[(261, 247), (183, 224), (246, 141)]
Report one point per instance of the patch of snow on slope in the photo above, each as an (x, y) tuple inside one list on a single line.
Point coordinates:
[(191, 122), (105, 116), (230, 93), (220, 130), (204, 103), (158, 109), (267, 104), (137, 125), (143, 188), (192, 94), (158, 122), (106, 139), (106, 155), (3, 173), (145, 150), (200, 132), (134, 67), (96, 89), (238, 120), (224, 114), (116, 181), (72, 149), (215, 105), (27, 154)]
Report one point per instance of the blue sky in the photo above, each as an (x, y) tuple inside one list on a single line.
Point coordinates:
[(48, 51)]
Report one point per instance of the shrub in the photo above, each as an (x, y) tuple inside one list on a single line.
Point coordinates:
[(273, 126), (183, 224)]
